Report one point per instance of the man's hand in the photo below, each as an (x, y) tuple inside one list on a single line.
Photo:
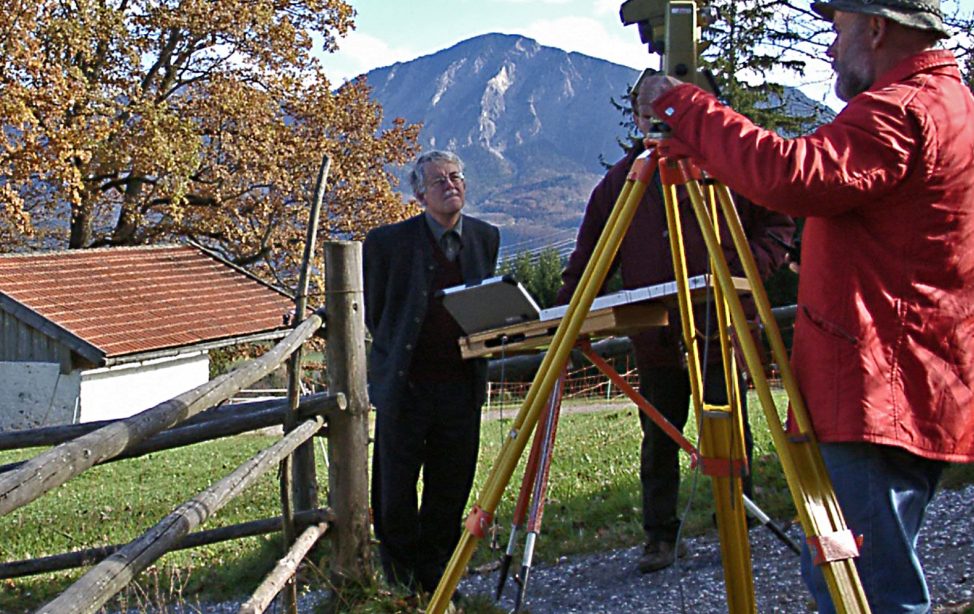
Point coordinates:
[(652, 88)]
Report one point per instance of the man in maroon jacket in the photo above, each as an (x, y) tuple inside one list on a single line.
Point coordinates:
[(644, 258), (884, 341)]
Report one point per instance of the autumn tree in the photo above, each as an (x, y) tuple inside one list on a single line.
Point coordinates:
[(131, 122)]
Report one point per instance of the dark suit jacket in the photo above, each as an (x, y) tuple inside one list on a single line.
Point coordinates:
[(399, 267)]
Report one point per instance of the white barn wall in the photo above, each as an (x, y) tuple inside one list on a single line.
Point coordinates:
[(35, 394), (123, 390)]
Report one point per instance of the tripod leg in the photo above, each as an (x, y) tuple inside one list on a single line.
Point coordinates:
[(720, 426), (523, 499), (645, 406), (525, 574), (540, 490), (808, 480), (506, 562)]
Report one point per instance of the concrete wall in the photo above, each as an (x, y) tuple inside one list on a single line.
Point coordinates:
[(34, 394), (124, 390)]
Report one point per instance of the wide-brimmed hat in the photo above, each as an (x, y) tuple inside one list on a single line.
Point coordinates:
[(919, 14)]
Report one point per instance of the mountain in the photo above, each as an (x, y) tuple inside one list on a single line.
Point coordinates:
[(530, 123), (533, 125)]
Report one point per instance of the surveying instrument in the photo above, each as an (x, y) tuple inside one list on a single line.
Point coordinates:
[(672, 29)]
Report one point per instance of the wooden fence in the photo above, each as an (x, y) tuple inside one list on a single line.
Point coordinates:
[(196, 415)]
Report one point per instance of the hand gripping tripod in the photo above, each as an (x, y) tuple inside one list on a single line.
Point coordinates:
[(721, 454)]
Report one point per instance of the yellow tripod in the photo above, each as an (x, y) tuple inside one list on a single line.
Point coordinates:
[(721, 426)]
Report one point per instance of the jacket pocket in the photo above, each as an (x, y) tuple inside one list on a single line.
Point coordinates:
[(827, 358), (828, 327)]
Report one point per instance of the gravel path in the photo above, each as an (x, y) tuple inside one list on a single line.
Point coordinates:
[(608, 582)]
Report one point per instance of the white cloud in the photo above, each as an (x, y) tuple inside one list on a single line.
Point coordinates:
[(590, 36), (603, 7), (359, 53)]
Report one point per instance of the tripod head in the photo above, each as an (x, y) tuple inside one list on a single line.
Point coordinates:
[(671, 28)]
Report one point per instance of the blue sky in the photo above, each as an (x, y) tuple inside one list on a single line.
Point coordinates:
[(389, 31)]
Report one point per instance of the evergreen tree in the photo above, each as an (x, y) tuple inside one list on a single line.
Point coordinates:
[(750, 46), (540, 273)]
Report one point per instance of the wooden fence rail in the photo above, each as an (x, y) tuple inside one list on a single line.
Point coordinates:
[(284, 570), (53, 435), (268, 414), (90, 556)]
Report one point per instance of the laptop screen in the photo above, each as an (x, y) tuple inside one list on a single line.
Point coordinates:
[(493, 303)]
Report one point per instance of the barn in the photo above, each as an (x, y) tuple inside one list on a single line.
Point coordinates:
[(100, 334)]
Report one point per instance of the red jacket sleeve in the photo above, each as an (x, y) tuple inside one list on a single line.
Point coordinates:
[(867, 149)]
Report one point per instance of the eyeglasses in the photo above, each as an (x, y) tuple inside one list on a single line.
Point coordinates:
[(455, 178)]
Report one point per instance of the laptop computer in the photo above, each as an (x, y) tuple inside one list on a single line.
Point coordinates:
[(493, 303)]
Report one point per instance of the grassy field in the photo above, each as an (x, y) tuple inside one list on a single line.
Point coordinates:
[(594, 494), (593, 504)]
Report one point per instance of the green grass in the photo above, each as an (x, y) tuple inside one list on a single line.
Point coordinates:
[(594, 499), (115, 503), (593, 504)]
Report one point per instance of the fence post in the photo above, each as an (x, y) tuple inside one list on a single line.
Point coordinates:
[(348, 431)]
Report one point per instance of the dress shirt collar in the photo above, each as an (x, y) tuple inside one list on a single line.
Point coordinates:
[(438, 230)]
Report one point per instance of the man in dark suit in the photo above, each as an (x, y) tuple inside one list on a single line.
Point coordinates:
[(427, 397)]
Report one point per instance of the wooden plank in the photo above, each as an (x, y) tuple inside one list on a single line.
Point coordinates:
[(283, 571), (621, 320), (30, 318), (7, 329), (650, 308)]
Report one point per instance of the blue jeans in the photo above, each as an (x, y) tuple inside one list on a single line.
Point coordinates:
[(883, 492)]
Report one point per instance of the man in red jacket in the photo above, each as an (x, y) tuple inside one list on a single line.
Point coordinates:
[(884, 341)]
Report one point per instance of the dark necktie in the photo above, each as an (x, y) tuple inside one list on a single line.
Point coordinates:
[(450, 244)]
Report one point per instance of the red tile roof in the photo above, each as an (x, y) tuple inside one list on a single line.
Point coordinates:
[(139, 299)]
